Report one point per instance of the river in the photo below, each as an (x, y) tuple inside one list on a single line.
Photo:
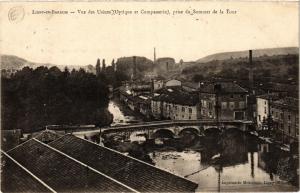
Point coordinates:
[(245, 165), (122, 116)]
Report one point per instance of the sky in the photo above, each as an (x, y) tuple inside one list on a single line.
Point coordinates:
[(79, 39)]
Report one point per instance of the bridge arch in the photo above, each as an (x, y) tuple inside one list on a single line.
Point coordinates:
[(211, 131), (163, 133), (190, 130)]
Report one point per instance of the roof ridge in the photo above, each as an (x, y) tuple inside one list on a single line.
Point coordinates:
[(136, 159), (26, 170), (85, 165), (58, 138)]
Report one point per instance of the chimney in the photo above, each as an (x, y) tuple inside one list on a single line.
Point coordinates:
[(250, 71), (154, 60), (134, 67), (154, 57), (167, 66)]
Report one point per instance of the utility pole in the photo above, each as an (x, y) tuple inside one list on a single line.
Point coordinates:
[(269, 121), (217, 106)]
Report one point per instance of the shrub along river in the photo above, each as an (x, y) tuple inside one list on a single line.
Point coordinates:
[(219, 161)]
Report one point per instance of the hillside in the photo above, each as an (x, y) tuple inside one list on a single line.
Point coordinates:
[(278, 67), (17, 63), (256, 53), (10, 62)]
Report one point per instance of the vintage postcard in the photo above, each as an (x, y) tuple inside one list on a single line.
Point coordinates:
[(149, 96)]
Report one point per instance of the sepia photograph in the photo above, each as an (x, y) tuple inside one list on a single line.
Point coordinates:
[(149, 96)]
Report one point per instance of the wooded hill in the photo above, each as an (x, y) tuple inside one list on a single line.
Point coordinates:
[(281, 67)]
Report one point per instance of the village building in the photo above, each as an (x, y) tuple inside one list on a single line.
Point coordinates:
[(142, 104), (10, 138), (157, 84), (175, 104), (223, 100), (285, 119), (262, 109)]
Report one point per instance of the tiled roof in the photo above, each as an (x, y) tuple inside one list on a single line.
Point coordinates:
[(15, 178), (132, 172), (62, 172), (193, 85), (271, 96), (176, 95), (287, 103), (226, 87)]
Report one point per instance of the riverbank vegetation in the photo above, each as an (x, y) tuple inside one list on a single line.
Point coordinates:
[(33, 98)]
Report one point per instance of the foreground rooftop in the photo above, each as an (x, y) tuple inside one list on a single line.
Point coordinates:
[(72, 164)]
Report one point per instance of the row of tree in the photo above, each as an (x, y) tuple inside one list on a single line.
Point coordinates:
[(33, 98)]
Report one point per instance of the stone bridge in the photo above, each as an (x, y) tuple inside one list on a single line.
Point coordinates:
[(172, 128)]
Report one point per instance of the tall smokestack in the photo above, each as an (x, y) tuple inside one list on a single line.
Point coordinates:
[(250, 71), (167, 66), (154, 55), (134, 67), (154, 59)]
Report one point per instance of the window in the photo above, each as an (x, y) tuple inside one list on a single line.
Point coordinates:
[(289, 117), (182, 109), (289, 129), (241, 104), (190, 117), (224, 105), (209, 105), (265, 110), (238, 115), (231, 105), (190, 110), (259, 117), (175, 107), (231, 96), (204, 103)]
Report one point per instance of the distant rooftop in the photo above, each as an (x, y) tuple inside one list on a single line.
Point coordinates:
[(47, 136), (271, 96), (225, 87), (10, 138), (287, 102), (176, 95)]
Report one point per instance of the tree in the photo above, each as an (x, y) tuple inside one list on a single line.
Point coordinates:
[(103, 65), (197, 78), (98, 68), (113, 65), (32, 99)]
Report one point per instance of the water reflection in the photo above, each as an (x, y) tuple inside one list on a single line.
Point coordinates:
[(219, 161), (236, 164)]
